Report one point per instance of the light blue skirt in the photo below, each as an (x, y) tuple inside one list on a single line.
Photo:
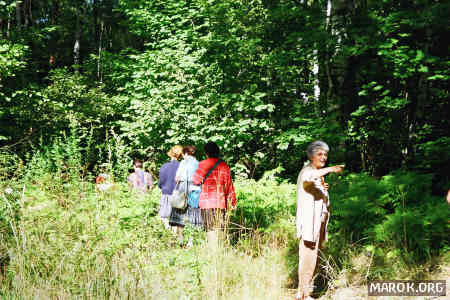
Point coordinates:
[(164, 207)]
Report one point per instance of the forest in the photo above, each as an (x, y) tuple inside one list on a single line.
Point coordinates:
[(86, 86)]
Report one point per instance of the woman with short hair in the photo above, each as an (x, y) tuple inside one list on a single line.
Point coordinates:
[(312, 213), (185, 173), (167, 182)]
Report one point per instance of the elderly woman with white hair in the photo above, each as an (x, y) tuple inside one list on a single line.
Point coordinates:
[(312, 213)]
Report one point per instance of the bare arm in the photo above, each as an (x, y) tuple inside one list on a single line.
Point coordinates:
[(313, 181), (325, 171)]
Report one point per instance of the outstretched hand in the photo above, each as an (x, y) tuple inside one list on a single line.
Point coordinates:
[(338, 168)]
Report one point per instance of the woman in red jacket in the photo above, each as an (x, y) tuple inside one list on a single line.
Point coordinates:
[(217, 195)]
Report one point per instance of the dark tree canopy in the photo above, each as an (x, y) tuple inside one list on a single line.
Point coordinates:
[(260, 78)]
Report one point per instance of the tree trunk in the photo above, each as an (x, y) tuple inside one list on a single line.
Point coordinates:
[(25, 13), (328, 56), (76, 46), (110, 37), (18, 15), (54, 13), (30, 12), (95, 17), (99, 61), (328, 20), (417, 94), (8, 27), (316, 74)]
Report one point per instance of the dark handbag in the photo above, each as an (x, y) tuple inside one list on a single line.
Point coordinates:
[(194, 196)]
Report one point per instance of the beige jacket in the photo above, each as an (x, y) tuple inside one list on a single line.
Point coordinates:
[(312, 204)]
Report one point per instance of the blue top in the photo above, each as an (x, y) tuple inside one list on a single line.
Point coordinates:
[(167, 177)]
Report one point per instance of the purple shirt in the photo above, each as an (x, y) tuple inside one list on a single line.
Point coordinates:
[(167, 177)]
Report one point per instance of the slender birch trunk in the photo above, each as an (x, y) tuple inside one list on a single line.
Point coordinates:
[(76, 46), (8, 28), (99, 61), (316, 74)]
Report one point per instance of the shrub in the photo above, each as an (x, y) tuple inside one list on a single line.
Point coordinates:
[(10, 165), (264, 202), (396, 213), (9, 217)]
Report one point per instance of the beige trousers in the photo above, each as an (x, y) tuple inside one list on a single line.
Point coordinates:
[(307, 264)]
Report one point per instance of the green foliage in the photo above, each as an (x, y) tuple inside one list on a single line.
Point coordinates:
[(245, 74), (11, 59), (396, 213), (387, 115), (60, 161), (382, 221), (264, 203), (10, 165), (177, 94), (103, 232), (241, 73)]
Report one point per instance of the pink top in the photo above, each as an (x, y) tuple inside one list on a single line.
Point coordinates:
[(140, 180)]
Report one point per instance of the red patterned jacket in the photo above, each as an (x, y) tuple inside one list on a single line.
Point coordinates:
[(218, 189)]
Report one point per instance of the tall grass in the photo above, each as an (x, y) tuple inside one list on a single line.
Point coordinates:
[(109, 246), (62, 239)]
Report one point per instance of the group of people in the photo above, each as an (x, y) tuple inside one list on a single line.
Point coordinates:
[(212, 179)]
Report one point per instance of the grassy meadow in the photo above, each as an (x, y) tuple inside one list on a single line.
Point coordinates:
[(72, 242), (62, 239)]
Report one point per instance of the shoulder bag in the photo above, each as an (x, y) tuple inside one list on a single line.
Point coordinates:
[(178, 198)]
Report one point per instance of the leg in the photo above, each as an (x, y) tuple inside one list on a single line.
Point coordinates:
[(308, 261), (179, 232), (165, 222), (321, 244), (306, 267)]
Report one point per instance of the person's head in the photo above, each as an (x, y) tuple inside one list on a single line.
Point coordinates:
[(175, 152), (189, 150), (137, 163), (317, 153), (101, 178), (212, 150)]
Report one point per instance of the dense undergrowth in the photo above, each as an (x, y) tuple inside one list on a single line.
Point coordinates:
[(60, 238)]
